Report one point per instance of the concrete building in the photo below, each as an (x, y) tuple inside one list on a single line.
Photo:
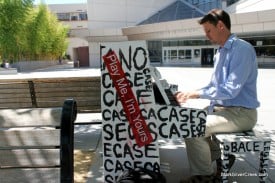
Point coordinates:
[(171, 30), (169, 27), (76, 17)]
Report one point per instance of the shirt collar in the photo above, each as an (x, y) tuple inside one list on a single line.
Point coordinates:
[(230, 40)]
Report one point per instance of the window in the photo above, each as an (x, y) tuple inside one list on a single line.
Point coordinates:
[(177, 54), (264, 46), (83, 16), (63, 16), (188, 54), (185, 54), (197, 52), (74, 18), (181, 54)]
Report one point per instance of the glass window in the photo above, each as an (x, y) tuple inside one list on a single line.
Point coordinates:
[(74, 18), (174, 54), (186, 43), (265, 51), (63, 16), (188, 54), (165, 43), (197, 52), (264, 46), (83, 16), (181, 54), (181, 43), (174, 43)]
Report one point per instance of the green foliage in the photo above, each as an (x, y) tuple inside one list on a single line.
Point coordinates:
[(13, 14), (29, 33)]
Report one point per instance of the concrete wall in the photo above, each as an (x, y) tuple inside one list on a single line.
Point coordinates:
[(104, 14), (26, 66), (257, 23), (75, 42), (107, 17), (78, 29), (244, 6)]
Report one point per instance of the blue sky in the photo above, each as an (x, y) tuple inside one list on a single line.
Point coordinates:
[(60, 1)]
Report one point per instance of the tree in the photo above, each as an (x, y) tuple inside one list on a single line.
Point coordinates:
[(13, 14), (47, 36), (31, 33)]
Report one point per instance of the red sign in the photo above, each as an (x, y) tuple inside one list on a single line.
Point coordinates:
[(130, 105)]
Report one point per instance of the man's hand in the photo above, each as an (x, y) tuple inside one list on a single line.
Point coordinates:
[(182, 97)]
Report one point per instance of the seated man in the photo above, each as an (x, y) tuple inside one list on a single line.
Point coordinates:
[(232, 93)]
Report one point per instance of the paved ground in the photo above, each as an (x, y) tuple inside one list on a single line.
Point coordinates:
[(173, 153)]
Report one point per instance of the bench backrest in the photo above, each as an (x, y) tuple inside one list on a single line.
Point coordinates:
[(15, 94), (37, 144), (51, 92)]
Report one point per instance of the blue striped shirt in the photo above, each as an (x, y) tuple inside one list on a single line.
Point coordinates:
[(234, 80)]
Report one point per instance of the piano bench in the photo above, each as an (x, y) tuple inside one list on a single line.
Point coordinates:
[(244, 142)]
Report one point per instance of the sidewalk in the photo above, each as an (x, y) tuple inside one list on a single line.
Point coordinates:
[(173, 154)]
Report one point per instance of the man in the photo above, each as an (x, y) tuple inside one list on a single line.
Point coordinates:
[(232, 93)]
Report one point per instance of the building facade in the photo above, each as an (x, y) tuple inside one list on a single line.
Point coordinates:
[(76, 17), (171, 30)]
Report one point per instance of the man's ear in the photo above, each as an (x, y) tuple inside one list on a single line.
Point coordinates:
[(221, 25)]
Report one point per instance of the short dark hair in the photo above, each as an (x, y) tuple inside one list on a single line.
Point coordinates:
[(214, 16)]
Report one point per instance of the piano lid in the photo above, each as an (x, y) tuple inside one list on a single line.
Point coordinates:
[(163, 91)]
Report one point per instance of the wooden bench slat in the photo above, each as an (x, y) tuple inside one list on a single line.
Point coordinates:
[(65, 79), (67, 84), (14, 90), (80, 104), (85, 94), (64, 89), (31, 138), (15, 105), (81, 100), (30, 117), (16, 98), (37, 92), (14, 85), (35, 175), (11, 95), (51, 79), (37, 144), (29, 158), (67, 95)]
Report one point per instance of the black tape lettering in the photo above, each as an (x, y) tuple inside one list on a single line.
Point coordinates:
[(108, 132)]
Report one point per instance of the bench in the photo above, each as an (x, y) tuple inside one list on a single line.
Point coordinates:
[(245, 142), (51, 92), (37, 144)]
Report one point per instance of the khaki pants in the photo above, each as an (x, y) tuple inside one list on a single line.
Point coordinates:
[(203, 150)]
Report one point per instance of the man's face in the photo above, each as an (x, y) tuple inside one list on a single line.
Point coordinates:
[(212, 32)]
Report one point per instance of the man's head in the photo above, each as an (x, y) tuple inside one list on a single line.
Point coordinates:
[(216, 25)]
